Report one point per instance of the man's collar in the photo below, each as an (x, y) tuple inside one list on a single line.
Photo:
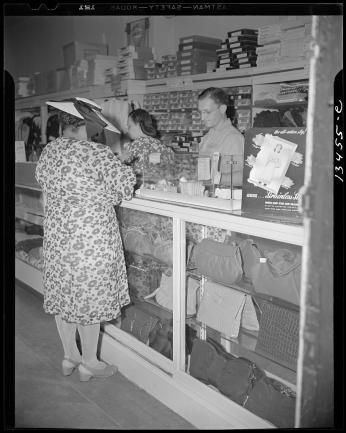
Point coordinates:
[(222, 125)]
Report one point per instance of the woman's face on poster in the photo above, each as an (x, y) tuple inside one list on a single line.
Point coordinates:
[(137, 34)]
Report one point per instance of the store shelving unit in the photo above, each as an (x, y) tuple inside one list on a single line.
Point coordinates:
[(168, 379)]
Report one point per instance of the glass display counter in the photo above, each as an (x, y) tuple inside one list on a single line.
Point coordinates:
[(210, 181)]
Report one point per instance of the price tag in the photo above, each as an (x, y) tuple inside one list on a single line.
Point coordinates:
[(155, 158)]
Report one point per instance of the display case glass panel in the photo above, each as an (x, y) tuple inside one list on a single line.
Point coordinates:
[(210, 180), (242, 312), (148, 247)]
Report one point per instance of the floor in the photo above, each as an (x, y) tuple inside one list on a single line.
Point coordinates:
[(46, 399)]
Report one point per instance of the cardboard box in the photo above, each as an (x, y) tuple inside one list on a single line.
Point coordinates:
[(62, 79), (199, 38), (198, 45), (51, 81), (40, 83), (75, 51), (195, 52)]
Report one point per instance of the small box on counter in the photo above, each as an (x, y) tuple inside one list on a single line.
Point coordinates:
[(199, 38), (241, 32), (75, 51)]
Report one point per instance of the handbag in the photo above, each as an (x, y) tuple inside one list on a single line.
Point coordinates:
[(221, 308), (163, 251), (278, 336), (162, 341), (219, 261), (143, 278), (137, 241), (238, 378), (250, 255), (273, 401), (164, 294), (207, 361), (139, 323), (278, 275)]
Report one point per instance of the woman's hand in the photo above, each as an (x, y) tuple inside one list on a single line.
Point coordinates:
[(125, 156)]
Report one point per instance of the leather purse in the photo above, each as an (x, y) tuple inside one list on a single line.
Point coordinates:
[(250, 255), (219, 261), (278, 275), (163, 251), (143, 279), (139, 323), (207, 361), (238, 378), (164, 294), (221, 308), (137, 241), (162, 341), (273, 401)]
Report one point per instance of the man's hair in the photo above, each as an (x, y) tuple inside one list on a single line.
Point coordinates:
[(218, 95), (68, 120), (144, 120)]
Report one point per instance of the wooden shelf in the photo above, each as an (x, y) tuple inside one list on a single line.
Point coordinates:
[(92, 92), (31, 215), (235, 77), (32, 186), (279, 105)]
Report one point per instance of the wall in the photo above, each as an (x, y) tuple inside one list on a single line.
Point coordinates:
[(34, 44)]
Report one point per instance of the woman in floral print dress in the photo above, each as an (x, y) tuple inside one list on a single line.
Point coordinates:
[(85, 281), (144, 145)]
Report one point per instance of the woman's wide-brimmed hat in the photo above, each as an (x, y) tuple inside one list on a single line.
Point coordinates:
[(86, 109)]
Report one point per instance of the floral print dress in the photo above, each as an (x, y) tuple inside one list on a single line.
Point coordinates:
[(140, 150), (84, 274)]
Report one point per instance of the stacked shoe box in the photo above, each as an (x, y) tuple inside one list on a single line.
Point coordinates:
[(166, 68), (78, 74), (241, 100), (295, 40), (152, 69), (195, 52), (101, 68), (170, 62), (22, 87), (285, 42), (177, 111), (238, 50), (293, 92), (131, 61), (178, 100), (184, 143)]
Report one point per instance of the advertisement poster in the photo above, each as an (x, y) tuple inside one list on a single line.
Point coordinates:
[(138, 33), (274, 160)]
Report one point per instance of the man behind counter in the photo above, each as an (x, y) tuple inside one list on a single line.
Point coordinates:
[(222, 136)]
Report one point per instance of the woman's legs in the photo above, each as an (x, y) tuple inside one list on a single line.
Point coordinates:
[(89, 335), (67, 332)]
